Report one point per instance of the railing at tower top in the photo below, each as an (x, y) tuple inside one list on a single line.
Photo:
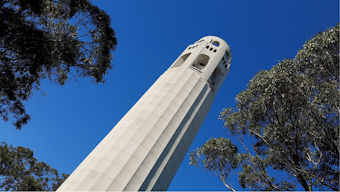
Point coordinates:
[(195, 68), (210, 83)]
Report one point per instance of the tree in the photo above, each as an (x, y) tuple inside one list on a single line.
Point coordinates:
[(292, 112), (221, 158), (20, 171), (49, 39)]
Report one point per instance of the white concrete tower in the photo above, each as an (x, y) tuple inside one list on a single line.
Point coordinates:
[(146, 147)]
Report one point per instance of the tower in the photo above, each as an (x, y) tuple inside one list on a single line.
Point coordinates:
[(146, 147)]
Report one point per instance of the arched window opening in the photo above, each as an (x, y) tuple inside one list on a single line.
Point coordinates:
[(215, 76), (216, 43), (181, 60), (201, 62), (227, 53)]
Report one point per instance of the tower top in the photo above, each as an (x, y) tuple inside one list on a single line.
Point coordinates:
[(209, 57), (217, 42)]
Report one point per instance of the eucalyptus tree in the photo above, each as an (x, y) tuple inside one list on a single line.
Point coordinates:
[(292, 114), (20, 171), (53, 40), (220, 158)]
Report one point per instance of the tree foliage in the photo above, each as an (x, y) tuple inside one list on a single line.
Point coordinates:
[(220, 158), (20, 171), (292, 112), (49, 39)]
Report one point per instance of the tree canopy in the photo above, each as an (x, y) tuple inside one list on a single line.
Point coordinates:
[(292, 114), (49, 39), (20, 171)]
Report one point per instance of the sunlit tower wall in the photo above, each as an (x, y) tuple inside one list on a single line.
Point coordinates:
[(146, 147)]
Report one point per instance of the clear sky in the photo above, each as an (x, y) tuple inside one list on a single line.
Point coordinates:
[(68, 123)]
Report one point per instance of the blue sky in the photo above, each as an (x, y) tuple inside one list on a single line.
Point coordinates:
[(68, 123)]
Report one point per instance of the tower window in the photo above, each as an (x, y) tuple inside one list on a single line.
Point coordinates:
[(216, 43), (207, 47), (215, 76), (227, 53), (181, 60), (201, 62), (215, 51), (211, 49)]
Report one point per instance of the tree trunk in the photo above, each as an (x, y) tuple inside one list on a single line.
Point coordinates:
[(228, 186)]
